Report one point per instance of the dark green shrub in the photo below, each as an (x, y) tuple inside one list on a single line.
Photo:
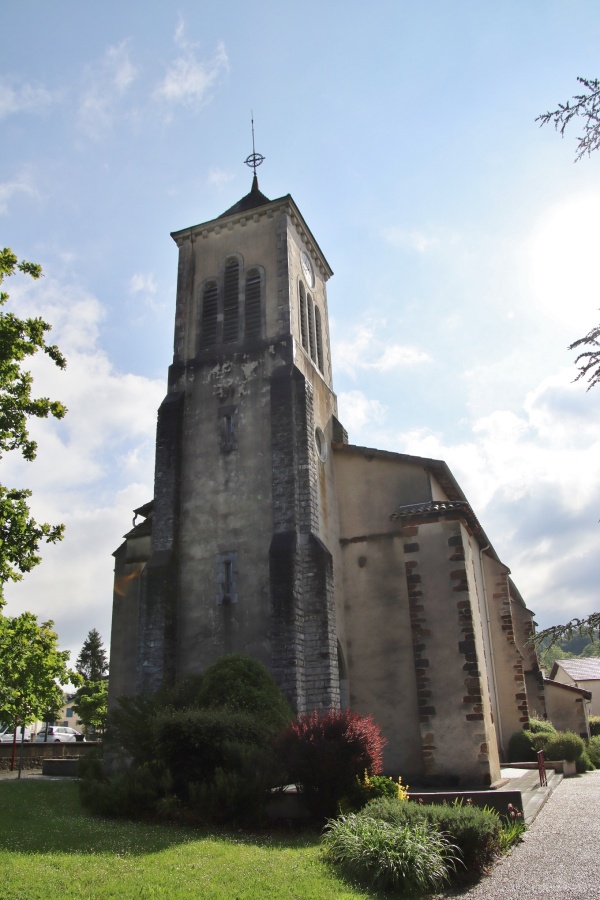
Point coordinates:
[(386, 856), (208, 737), (326, 752), (584, 763), (238, 789), (523, 745), (595, 726), (474, 831), (132, 794), (537, 726), (191, 743), (90, 766), (565, 745), (241, 684), (593, 750)]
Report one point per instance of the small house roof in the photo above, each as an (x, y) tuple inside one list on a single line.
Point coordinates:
[(587, 669), (587, 695)]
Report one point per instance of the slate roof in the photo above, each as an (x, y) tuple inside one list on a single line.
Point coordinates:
[(578, 669), (250, 201)]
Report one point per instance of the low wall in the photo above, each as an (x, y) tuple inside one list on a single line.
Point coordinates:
[(34, 754)]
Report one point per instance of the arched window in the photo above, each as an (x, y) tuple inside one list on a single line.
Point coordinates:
[(303, 324), (208, 323), (319, 337), (253, 312), (231, 290)]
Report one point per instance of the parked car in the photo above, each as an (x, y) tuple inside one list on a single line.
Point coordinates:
[(7, 734), (58, 734)]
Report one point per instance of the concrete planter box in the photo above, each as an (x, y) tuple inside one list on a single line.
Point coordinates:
[(569, 768), (67, 768)]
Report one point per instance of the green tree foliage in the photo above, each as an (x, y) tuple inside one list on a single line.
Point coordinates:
[(90, 704), (20, 534), (91, 697), (92, 662), (32, 668)]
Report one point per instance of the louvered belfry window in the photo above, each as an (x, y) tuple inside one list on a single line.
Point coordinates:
[(231, 290), (208, 325), (311, 328), (253, 319), (319, 337), (303, 326)]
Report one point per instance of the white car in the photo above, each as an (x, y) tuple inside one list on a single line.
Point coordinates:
[(58, 734), (7, 734)]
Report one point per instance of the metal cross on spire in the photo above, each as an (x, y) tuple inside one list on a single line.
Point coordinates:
[(255, 159)]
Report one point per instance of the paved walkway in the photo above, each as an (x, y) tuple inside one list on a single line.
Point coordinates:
[(560, 854)]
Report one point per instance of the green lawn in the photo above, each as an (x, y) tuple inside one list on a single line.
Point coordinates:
[(50, 847)]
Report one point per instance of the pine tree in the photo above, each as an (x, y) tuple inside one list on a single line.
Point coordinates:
[(92, 662)]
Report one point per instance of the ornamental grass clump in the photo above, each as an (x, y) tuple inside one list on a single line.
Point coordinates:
[(410, 858), (475, 832)]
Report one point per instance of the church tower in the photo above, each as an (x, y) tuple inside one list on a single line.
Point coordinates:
[(244, 521)]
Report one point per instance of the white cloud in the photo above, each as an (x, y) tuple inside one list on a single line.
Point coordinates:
[(417, 240), (532, 477), (189, 80), (142, 284), (106, 85), (25, 98), (357, 412), (366, 348), (219, 177), (20, 185), (92, 469)]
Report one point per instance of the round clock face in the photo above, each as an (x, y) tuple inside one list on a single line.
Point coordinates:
[(307, 268)]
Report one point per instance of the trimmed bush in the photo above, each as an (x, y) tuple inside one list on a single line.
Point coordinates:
[(593, 751), (565, 745), (523, 745), (595, 726), (537, 726), (241, 684), (584, 763), (191, 743), (415, 858), (326, 753), (474, 831), (132, 794)]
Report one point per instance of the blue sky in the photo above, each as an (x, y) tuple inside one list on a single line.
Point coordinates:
[(463, 240)]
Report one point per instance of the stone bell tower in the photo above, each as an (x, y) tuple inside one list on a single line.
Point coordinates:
[(244, 521)]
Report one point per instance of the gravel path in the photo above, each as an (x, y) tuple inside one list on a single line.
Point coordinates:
[(560, 854)]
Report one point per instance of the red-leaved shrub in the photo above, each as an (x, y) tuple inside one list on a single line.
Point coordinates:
[(325, 752)]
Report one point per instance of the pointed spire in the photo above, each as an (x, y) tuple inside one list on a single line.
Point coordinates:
[(254, 198)]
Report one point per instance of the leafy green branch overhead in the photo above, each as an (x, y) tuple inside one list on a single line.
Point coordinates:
[(20, 534)]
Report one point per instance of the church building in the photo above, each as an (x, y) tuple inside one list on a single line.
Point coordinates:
[(359, 577)]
